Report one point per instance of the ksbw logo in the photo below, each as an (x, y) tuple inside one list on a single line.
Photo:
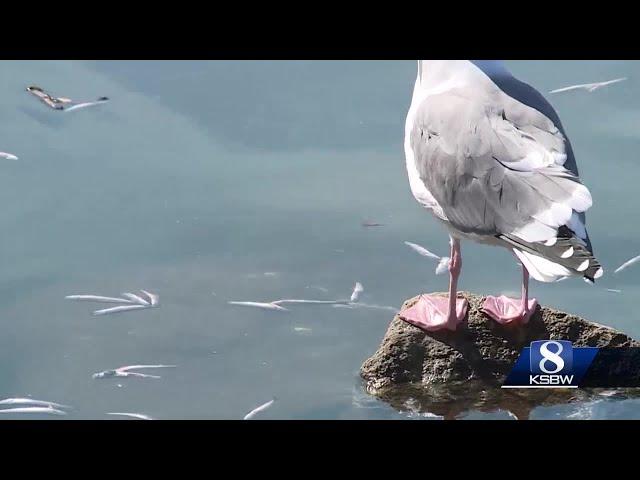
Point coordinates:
[(550, 364)]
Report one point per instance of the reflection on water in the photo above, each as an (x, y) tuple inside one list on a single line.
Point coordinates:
[(198, 178), (460, 400)]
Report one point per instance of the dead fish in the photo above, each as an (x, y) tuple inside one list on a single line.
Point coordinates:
[(139, 416), (78, 106), (308, 302), (443, 265), (97, 298), (153, 298), (33, 402), (628, 263), (135, 298), (121, 309), (8, 156), (357, 290), (589, 87), (125, 371), (259, 409), (262, 305), (49, 410), (422, 251)]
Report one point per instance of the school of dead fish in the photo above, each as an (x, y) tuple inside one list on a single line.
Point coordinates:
[(131, 301)]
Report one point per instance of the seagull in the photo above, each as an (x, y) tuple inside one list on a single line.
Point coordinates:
[(8, 156), (33, 402), (61, 103), (487, 155), (589, 87), (125, 371), (259, 409), (139, 416)]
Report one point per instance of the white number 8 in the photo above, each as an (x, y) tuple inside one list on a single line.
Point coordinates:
[(548, 356)]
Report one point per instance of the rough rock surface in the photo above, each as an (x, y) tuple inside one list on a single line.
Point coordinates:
[(447, 373)]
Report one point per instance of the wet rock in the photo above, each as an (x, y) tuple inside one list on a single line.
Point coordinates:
[(449, 373)]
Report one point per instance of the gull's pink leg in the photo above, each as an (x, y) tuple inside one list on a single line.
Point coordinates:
[(432, 312), (508, 311)]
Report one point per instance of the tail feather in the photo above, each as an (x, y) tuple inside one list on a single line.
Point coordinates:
[(566, 251)]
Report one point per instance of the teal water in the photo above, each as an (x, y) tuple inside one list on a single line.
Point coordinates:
[(200, 177)]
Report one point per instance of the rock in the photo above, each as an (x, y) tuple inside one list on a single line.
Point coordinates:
[(449, 373)]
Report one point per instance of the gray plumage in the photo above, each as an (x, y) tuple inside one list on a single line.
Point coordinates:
[(500, 167)]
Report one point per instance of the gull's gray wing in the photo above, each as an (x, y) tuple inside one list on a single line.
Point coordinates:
[(532, 98), (500, 168)]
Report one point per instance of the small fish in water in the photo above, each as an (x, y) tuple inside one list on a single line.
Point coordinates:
[(296, 301), (78, 106), (443, 262), (443, 265), (422, 251), (135, 298), (357, 290), (125, 371), (259, 409), (139, 416), (153, 298), (589, 87), (61, 103), (8, 156), (375, 307), (121, 309), (33, 402), (628, 263), (355, 295), (48, 410), (131, 302), (613, 290), (322, 289), (97, 298), (262, 305), (372, 224), (302, 329)]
